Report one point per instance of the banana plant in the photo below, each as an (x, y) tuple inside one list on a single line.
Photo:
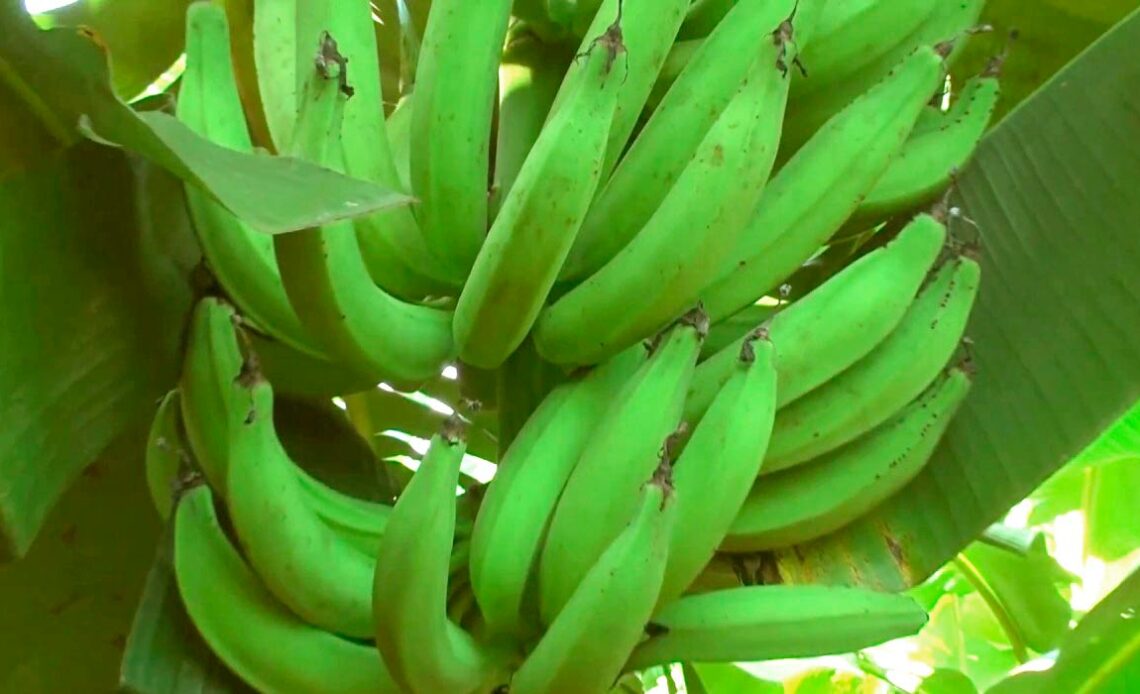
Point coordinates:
[(350, 349)]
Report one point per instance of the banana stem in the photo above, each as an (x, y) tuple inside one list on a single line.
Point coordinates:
[(1008, 625)]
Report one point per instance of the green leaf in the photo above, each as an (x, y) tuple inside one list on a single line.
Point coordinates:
[(62, 75), (1120, 442), (67, 605), (725, 678), (1111, 526), (1055, 364), (826, 680), (1050, 34), (963, 635), (137, 57), (1020, 541), (95, 256), (164, 653), (1101, 655), (946, 681), (1026, 587)]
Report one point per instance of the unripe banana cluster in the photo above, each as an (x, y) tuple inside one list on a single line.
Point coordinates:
[(722, 222)]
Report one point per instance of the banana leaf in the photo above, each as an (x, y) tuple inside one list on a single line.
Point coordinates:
[(95, 259), (62, 75), (1101, 655), (163, 652), (67, 606), (1052, 193), (1049, 33)]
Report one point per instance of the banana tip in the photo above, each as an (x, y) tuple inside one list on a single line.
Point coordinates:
[(454, 429)]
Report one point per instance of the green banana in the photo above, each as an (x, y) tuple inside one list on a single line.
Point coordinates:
[(668, 262), (852, 34), (584, 648), (674, 132), (946, 25), (451, 126), (254, 635), (812, 500), (213, 404), (823, 184), (648, 28), (928, 161), (769, 622), (166, 453), (529, 76), (400, 138), (875, 387), (520, 500), (324, 272), (706, 16), (719, 463), (600, 494), (240, 258), (838, 323), (301, 560), (679, 56), (540, 217), (424, 650), (390, 241)]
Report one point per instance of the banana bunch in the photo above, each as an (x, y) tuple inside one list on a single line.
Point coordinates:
[(718, 229)]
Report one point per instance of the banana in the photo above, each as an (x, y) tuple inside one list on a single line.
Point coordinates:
[(601, 493), (324, 273), (719, 463), (301, 560), (648, 28), (875, 387), (706, 16), (451, 126), (667, 264), (213, 404), (520, 499), (425, 651), (823, 184), (674, 132), (400, 138), (241, 258), (529, 76), (166, 453), (679, 56), (540, 216), (812, 500), (838, 323), (754, 623), (928, 161), (266, 645), (586, 645), (854, 33), (945, 25), (390, 241)]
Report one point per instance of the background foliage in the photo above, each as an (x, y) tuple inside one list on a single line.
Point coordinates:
[(89, 229)]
